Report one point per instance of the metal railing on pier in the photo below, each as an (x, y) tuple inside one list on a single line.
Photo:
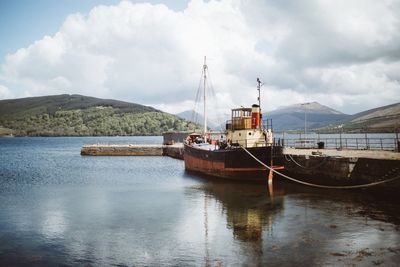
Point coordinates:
[(343, 143)]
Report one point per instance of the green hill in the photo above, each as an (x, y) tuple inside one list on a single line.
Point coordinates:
[(77, 115), (381, 119)]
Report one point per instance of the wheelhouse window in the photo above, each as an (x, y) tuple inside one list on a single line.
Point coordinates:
[(241, 118)]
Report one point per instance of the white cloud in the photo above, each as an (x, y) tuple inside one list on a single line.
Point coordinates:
[(5, 93), (342, 54)]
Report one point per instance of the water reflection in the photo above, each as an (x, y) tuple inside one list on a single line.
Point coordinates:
[(249, 208), (250, 212), (148, 211), (299, 225)]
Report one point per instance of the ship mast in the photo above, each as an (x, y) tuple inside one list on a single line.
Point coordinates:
[(259, 94), (205, 98)]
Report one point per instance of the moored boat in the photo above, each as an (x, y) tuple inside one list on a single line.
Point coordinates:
[(225, 157)]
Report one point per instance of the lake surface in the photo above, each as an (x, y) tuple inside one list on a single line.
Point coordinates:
[(59, 208)]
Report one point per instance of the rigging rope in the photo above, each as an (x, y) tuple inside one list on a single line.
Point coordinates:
[(197, 101), (317, 185), (214, 97), (210, 95)]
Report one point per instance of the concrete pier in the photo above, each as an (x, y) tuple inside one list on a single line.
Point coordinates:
[(321, 166), (122, 150), (342, 167), (175, 151), (345, 153)]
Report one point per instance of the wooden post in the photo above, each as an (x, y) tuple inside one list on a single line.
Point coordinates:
[(270, 177), (270, 174), (270, 186)]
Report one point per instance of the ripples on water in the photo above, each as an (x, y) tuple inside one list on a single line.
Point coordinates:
[(57, 207)]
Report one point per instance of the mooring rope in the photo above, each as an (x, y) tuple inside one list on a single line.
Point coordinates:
[(317, 185), (305, 167)]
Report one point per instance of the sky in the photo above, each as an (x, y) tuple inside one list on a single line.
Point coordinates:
[(343, 54)]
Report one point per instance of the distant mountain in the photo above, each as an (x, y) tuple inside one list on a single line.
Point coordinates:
[(325, 119), (311, 108), (381, 119), (77, 115), (195, 117), (190, 116), (292, 117)]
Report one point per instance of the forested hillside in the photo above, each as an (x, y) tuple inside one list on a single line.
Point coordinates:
[(76, 115)]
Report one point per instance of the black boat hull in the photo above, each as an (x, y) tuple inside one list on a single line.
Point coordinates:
[(233, 163)]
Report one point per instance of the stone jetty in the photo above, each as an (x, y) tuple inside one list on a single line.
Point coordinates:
[(175, 151)]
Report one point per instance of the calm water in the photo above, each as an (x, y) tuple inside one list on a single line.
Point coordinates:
[(58, 208)]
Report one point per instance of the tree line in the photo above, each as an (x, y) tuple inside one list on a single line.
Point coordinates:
[(96, 121)]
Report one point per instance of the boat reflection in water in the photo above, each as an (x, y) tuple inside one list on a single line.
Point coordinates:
[(246, 216), (295, 225), (250, 211)]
